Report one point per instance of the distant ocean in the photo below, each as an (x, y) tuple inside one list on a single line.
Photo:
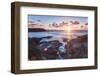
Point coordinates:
[(61, 34)]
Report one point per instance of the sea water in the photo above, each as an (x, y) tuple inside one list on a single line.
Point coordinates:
[(55, 34)]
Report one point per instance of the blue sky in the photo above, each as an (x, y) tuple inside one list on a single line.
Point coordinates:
[(45, 19)]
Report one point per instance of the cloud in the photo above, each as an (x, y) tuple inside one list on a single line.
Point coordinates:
[(75, 22), (86, 23), (30, 21)]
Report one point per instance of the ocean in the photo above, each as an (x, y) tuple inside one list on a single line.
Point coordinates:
[(56, 34)]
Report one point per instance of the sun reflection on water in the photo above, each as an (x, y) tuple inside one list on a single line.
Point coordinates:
[(69, 32)]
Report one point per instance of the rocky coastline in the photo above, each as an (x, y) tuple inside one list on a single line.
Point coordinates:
[(73, 49)]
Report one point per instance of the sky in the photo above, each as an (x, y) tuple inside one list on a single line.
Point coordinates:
[(47, 19)]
